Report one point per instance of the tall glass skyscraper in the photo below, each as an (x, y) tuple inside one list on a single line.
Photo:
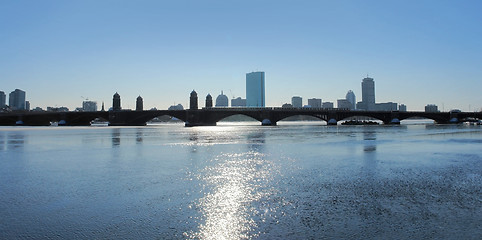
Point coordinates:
[(255, 89)]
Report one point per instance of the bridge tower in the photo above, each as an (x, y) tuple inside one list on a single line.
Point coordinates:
[(209, 101), (193, 100), (139, 104), (116, 102)]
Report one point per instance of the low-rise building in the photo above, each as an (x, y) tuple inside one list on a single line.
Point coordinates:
[(314, 102), (389, 106), (343, 104), (327, 105), (431, 108), (238, 102)]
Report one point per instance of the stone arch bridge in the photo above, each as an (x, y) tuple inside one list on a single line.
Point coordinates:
[(210, 116)]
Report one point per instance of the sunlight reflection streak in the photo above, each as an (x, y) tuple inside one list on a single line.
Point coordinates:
[(236, 184)]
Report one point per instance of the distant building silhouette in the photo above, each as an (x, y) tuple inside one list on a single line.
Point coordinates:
[(16, 100), (3, 99), (402, 108), (431, 108), (116, 102), (255, 92), (350, 96), (89, 106), (193, 100), (139, 104), (222, 100), (315, 102), (103, 109), (327, 105), (287, 105), (57, 109), (209, 101), (238, 102), (297, 101), (389, 106), (176, 107), (343, 104), (27, 105)]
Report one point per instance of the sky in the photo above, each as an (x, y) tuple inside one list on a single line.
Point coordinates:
[(418, 52)]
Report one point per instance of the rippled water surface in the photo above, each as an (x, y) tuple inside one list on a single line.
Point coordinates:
[(293, 181)]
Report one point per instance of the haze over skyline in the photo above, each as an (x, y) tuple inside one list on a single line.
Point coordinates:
[(418, 52)]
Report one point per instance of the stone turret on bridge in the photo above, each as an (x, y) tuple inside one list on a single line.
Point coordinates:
[(116, 102), (139, 104)]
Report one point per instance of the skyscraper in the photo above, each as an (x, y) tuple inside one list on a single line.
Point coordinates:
[(3, 99), (368, 94), (16, 100), (255, 89), (350, 97)]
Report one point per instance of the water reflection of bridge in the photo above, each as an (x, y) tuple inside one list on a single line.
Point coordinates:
[(210, 116)]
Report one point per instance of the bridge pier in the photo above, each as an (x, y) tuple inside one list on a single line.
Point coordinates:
[(332, 122), (393, 119), (196, 117), (124, 118), (268, 122)]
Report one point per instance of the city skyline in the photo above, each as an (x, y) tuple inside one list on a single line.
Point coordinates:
[(419, 52)]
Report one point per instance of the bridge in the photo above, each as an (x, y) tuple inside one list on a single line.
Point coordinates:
[(210, 116)]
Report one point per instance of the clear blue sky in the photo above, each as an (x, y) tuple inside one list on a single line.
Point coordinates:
[(418, 52)]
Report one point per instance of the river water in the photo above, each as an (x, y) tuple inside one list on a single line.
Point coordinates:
[(241, 181)]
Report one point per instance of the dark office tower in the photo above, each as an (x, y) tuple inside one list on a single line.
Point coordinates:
[(103, 109), (193, 100), (116, 102), (209, 101), (139, 104)]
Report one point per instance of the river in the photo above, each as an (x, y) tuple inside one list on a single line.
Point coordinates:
[(241, 181)]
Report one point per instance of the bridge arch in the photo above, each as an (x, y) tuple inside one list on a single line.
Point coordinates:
[(303, 117), (437, 117), (363, 116), (164, 118), (239, 117), (218, 116)]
